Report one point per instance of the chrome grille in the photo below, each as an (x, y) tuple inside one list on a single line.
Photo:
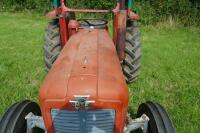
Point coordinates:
[(84, 121)]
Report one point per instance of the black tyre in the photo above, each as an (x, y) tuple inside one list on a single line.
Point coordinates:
[(52, 45), (13, 121), (131, 63), (159, 119)]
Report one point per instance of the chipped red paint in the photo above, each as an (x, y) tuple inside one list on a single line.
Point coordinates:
[(71, 75), (122, 19), (133, 15), (63, 30), (73, 27), (94, 78), (115, 29)]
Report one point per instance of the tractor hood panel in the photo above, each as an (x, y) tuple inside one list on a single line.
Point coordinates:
[(87, 65)]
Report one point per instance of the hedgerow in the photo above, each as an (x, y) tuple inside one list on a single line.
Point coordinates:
[(186, 12)]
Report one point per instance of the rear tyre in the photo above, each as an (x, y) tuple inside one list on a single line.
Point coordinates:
[(131, 63), (160, 121), (52, 45), (13, 121)]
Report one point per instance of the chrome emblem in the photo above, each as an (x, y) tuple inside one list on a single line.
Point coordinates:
[(81, 102)]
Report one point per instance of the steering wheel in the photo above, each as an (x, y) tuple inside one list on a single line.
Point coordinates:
[(96, 23)]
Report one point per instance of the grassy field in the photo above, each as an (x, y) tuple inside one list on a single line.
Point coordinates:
[(170, 71)]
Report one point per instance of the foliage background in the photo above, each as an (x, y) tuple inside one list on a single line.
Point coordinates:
[(169, 73), (170, 60), (185, 12)]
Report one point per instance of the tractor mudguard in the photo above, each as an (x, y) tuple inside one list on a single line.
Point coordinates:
[(87, 65)]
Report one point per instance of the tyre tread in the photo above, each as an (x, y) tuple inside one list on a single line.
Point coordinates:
[(160, 121), (52, 47), (131, 63), (14, 121)]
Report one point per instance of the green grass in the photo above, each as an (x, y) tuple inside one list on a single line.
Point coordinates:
[(170, 71)]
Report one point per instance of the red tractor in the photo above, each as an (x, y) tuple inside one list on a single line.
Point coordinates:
[(85, 90)]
